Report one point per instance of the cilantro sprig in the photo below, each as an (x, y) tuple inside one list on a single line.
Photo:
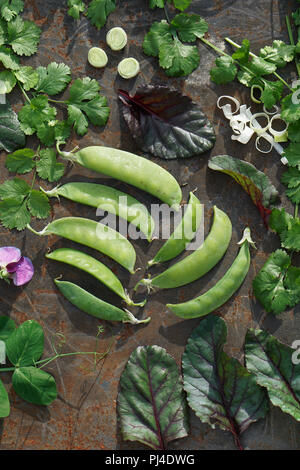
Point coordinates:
[(97, 11)]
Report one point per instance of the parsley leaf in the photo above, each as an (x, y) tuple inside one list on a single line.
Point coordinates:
[(291, 178), (21, 161), (47, 166), (75, 8), (23, 36), (85, 103), (277, 285), (53, 79), (225, 70), (99, 10)]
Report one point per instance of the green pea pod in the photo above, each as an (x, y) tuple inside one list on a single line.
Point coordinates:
[(183, 234), (132, 169), (96, 236), (95, 268), (108, 199), (200, 261), (223, 290), (94, 306)]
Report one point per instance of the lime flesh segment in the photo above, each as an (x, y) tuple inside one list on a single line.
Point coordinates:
[(128, 68), (97, 57), (116, 38)]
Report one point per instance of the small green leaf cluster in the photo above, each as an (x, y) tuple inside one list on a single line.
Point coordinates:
[(251, 70), (97, 11), (179, 4), (166, 39)]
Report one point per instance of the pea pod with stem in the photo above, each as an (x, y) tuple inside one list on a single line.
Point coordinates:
[(95, 268), (131, 169), (183, 234), (108, 199), (95, 235), (200, 261), (223, 290), (94, 306)]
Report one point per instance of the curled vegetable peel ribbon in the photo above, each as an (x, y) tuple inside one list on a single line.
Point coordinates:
[(244, 125)]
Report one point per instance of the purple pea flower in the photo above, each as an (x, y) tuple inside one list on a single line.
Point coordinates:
[(15, 266)]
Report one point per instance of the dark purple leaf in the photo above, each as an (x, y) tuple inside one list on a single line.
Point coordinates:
[(166, 123)]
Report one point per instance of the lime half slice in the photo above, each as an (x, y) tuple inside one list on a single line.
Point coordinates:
[(128, 68), (97, 57), (116, 38)]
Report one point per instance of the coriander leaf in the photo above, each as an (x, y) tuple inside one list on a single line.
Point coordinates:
[(53, 131), (36, 113), (14, 214), (287, 227), (189, 27), (9, 59), (292, 153), (27, 76), (159, 34), (271, 93), (38, 204), (23, 36), (21, 161), (53, 79), (272, 364), (3, 32), (291, 178), (47, 166), (270, 285), (85, 101), (11, 8), (219, 389), (242, 53), (179, 60), (151, 405), (225, 70), (11, 134), (99, 10), (255, 69), (15, 188), (294, 131), (7, 81), (279, 53), (290, 112), (75, 8)]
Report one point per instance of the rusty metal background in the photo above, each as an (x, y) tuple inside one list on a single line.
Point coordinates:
[(84, 415)]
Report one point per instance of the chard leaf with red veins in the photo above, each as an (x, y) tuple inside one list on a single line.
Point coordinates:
[(151, 405), (166, 123), (253, 181)]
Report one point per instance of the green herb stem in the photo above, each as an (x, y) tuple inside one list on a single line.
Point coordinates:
[(215, 48), (291, 38), (56, 101), (24, 93)]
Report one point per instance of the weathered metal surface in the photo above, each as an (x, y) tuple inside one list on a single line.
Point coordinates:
[(84, 415)]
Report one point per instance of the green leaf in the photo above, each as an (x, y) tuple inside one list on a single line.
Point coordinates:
[(4, 402), (47, 166), (23, 36), (179, 60), (85, 102), (279, 53), (7, 327), (219, 389), (291, 178), (156, 3), (9, 59), (28, 77), (3, 32), (272, 363), (294, 131), (21, 161), (225, 70), (75, 8), (287, 227), (160, 34), (99, 10), (34, 114), (53, 79), (14, 188), (292, 153), (7, 82), (11, 8), (34, 385), (11, 135), (242, 53), (180, 4), (272, 286), (26, 344), (189, 27), (151, 405), (53, 131), (38, 204), (272, 93), (290, 112), (14, 214)]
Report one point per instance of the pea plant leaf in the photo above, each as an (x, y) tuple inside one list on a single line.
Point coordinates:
[(26, 344), (277, 285), (34, 385), (151, 405), (166, 123), (7, 327), (99, 10), (219, 389), (47, 166), (4, 402), (11, 135), (253, 181), (21, 161), (272, 364)]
